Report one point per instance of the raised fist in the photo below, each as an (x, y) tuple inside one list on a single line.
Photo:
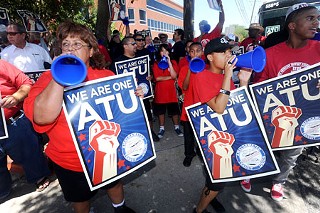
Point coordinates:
[(285, 120), (115, 11), (103, 138), (220, 145)]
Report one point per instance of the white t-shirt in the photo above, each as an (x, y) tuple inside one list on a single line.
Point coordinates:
[(28, 59)]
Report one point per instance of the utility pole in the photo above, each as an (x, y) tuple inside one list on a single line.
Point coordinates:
[(254, 5), (188, 18)]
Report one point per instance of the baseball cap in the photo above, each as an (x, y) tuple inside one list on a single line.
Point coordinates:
[(255, 26), (203, 22), (295, 8), (231, 36), (115, 33), (217, 45)]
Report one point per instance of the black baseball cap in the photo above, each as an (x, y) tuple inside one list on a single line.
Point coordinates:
[(217, 45)]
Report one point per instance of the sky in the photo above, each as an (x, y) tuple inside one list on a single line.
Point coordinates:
[(232, 14)]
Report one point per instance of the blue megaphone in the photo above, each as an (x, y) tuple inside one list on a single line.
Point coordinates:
[(255, 59), (163, 63), (125, 21), (68, 70), (196, 65), (151, 48), (316, 37)]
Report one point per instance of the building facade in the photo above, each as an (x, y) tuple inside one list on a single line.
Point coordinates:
[(159, 16)]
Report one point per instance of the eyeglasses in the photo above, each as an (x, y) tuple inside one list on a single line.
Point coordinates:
[(75, 46), (139, 39), (132, 43), (13, 33)]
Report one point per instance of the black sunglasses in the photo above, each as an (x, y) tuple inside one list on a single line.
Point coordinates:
[(139, 39), (13, 33)]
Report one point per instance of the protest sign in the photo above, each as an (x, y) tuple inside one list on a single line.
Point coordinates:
[(117, 9), (32, 21), (141, 67), (4, 18), (34, 75), (213, 4), (233, 144), (289, 108), (109, 127)]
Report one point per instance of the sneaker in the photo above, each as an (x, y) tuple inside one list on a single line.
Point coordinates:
[(161, 133), (123, 209), (217, 206), (154, 136), (187, 161), (5, 195), (204, 211), (178, 131), (277, 192), (245, 185)]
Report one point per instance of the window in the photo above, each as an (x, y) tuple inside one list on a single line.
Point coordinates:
[(131, 15), (143, 17)]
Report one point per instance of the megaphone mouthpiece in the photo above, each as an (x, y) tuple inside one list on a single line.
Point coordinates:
[(68, 70)]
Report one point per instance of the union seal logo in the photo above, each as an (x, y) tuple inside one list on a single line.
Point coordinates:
[(310, 128), (145, 88), (134, 147), (251, 157)]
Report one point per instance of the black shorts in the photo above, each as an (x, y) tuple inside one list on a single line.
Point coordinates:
[(74, 185), (214, 186), (172, 108), (147, 106)]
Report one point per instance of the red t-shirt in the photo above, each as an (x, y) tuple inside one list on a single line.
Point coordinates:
[(215, 33), (61, 148), (251, 41), (183, 62), (207, 85), (282, 59), (10, 81), (165, 91), (105, 52), (188, 94)]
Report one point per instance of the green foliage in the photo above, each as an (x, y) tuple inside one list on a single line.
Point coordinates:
[(53, 12), (241, 32)]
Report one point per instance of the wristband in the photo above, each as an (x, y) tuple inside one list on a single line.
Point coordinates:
[(223, 91)]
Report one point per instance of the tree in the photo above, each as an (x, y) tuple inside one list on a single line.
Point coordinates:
[(53, 12), (102, 19), (240, 32)]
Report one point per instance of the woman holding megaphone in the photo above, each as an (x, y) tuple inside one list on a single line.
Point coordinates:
[(165, 74), (43, 107)]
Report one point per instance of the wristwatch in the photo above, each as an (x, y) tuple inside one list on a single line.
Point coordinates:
[(223, 91)]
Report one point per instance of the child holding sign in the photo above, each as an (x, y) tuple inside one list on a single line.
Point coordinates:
[(212, 86)]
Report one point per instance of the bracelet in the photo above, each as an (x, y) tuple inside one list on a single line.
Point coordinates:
[(223, 91)]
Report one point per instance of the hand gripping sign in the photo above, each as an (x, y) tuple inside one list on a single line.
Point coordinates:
[(103, 138)]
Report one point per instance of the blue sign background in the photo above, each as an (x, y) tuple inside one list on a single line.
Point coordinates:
[(250, 133), (310, 108), (139, 65), (134, 122)]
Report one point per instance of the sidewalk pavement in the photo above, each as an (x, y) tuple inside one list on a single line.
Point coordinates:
[(166, 186)]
